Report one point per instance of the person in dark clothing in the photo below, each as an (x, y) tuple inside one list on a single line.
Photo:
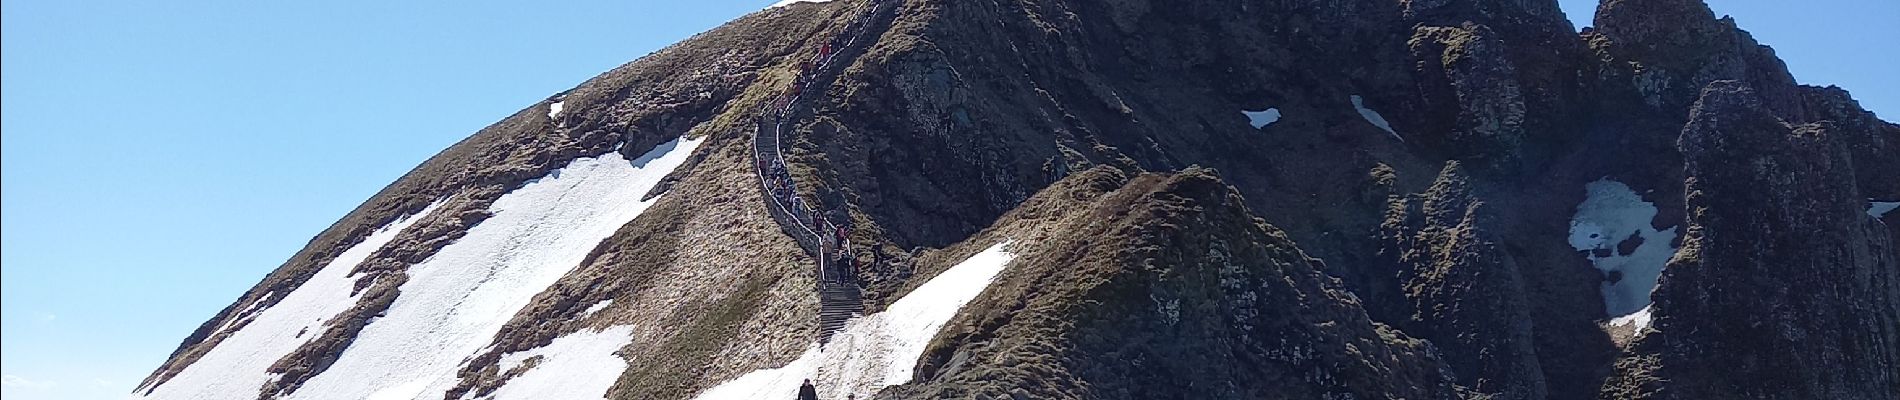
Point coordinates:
[(807, 392)]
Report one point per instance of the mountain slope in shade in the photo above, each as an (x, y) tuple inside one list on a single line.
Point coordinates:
[(1127, 199)]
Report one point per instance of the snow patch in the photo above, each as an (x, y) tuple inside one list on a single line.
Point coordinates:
[(1611, 216), (602, 305), (1638, 320), (554, 110), (235, 367), (1359, 103), (1880, 208), (879, 350), (580, 365), (245, 315), (783, 3), (455, 302), (1260, 119)]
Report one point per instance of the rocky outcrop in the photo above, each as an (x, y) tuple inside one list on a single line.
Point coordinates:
[(1167, 287), (1667, 50), (1784, 287), (1466, 293), (1872, 144), (1471, 86)]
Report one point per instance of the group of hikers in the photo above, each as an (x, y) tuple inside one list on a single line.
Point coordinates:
[(834, 243), (834, 247), (828, 51)]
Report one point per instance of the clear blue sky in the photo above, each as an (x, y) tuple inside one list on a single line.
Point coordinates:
[(161, 157)]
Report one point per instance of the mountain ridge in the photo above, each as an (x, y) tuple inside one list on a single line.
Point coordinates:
[(1417, 180)]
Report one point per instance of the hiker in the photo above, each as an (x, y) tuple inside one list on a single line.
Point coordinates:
[(807, 392)]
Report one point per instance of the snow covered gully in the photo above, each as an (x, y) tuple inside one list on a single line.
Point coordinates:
[(879, 350), (235, 368), (1608, 221), (454, 302)]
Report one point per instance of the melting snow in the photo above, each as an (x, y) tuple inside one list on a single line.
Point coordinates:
[(454, 302), (1611, 215), (1373, 117), (581, 365), (602, 305), (1879, 208), (1638, 320), (783, 3), (245, 315), (235, 367), (879, 350), (1260, 119), (773, 383), (555, 109)]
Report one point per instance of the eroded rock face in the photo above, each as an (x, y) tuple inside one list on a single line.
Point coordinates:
[(1466, 293), (1167, 287), (1784, 287), (1464, 73), (1871, 143), (1667, 50)]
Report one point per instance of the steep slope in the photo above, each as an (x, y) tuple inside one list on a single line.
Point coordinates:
[(1795, 299), (1165, 287), (1416, 199), (1467, 293), (641, 109)]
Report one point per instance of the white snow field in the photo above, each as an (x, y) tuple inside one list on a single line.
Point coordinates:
[(876, 351), (455, 302), (1373, 117), (1260, 119), (782, 3), (554, 110), (235, 367), (1879, 208), (1610, 215), (581, 365)]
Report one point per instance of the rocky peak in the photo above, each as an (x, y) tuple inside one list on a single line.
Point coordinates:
[(1667, 50), (1870, 141), (1776, 231)]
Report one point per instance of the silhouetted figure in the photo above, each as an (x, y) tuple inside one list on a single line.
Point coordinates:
[(807, 392)]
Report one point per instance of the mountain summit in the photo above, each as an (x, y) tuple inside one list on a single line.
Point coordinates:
[(1327, 199)]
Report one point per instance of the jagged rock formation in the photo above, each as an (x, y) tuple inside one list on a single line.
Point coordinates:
[(1165, 286), (1466, 292), (1409, 223), (1785, 287), (1667, 50), (1463, 72)]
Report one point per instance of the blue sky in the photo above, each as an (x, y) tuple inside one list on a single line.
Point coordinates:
[(161, 157)]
